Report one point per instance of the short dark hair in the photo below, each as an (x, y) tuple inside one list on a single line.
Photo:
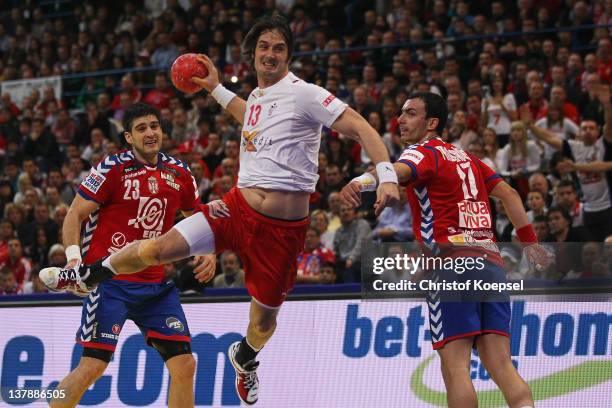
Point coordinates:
[(540, 218), (435, 107), (566, 183), (267, 23), (138, 110), (564, 213)]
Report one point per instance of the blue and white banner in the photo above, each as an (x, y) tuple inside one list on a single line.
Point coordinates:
[(343, 353)]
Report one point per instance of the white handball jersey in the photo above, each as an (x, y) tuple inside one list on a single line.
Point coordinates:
[(281, 134)]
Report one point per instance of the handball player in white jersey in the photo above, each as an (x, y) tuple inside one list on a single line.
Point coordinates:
[(264, 219)]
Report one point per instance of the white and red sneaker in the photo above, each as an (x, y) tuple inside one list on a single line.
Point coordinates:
[(247, 383), (64, 280)]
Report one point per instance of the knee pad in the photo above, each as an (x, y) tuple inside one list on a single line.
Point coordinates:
[(168, 349), (104, 355)]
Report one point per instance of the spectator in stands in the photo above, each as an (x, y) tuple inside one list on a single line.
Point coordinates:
[(95, 146), (320, 222), (536, 205), (6, 233), (348, 243), (566, 198), (160, 96), (499, 110), (334, 202), (17, 263), (537, 104), (490, 145), (165, 53), (8, 283), (460, 135), (556, 123), (232, 275), (590, 147), (41, 220), (562, 232), (66, 190), (63, 129), (394, 223), (312, 259), (519, 158)]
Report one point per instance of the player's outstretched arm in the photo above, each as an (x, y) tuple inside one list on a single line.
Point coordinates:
[(351, 193), (524, 230), (231, 102), (353, 125), (596, 166), (79, 210)]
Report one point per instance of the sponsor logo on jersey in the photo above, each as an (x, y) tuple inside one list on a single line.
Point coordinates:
[(171, 170), (175, 186), (150, 216), (248, 137), (132, 172), (93, 181), (153, 186), (272, 109), (328, 100), (474, 214), (175, 324), (166, 176), (454, 155), (413, 156), (118, 240)]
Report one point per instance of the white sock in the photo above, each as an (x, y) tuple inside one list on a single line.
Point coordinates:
[(107, 264)]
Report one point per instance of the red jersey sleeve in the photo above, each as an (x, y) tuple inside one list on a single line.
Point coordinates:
[(422, 160), (490, 177), (189, 197), (100, 183)]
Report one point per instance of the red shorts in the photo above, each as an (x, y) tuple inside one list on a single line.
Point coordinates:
[(268, 247)]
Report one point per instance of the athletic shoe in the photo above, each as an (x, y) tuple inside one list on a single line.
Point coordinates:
[(247, 383), (64, 280)]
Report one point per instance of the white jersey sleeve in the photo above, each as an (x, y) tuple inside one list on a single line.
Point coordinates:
[(318, 104)]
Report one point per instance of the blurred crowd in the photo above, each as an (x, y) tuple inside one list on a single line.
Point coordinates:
[(498, 88)]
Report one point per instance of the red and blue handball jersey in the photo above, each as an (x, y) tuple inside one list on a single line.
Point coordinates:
[(449, 197), (137, 202)]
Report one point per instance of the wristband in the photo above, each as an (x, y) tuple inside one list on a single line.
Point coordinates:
[(73, 252), (222, 95), (386, 173), (367, 182), (527, 234)]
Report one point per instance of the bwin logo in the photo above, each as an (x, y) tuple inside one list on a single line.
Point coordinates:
[(175, 324)]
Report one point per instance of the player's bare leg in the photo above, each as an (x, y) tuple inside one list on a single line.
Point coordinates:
[(262, 323), (455, 357), (139, 255), (182, 370), (78, 381), (133, 258), (242, 354), (494, 352)]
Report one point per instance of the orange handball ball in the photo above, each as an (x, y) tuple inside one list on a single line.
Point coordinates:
[(183, 69)]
